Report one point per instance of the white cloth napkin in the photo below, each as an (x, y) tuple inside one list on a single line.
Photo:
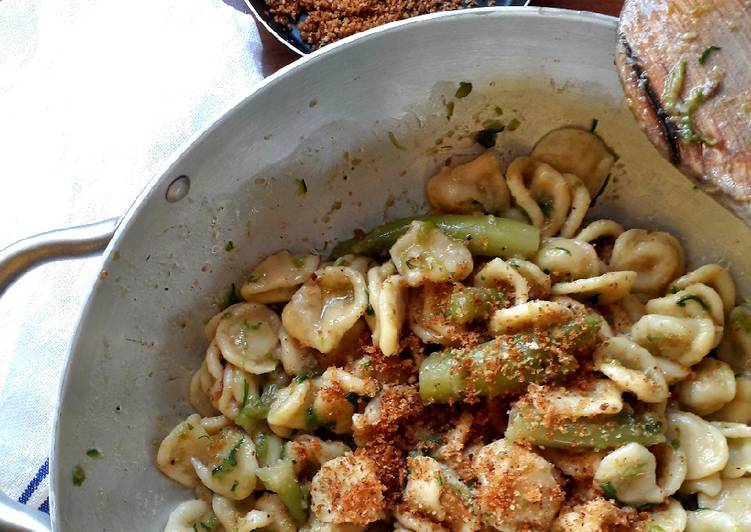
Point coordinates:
[(94, 96)]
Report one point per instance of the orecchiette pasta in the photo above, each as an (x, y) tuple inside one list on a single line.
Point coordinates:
[(277, 277), (632, 368), (537, 280), (606, 288), (568, 260), (739, 449), (388, 300), (599, 397), (739, 409), (281, 521), (230, 468), (580, 200), (187, 440), (683, 340), (709, 485), (630, 473), (596, 515), (672, 518), (502, 275), (190, 516), (734, 500), (324, 309), (423, 489), (713, 275), (425, 254), (526, 315), (735, 348), (705, 447), (705, 520), (233, 518), (600, 229), (248, 337), (471, 187), (656, 257), (710, 386), (696, 301), (295, 357)]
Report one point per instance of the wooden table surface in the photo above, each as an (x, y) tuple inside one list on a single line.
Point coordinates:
[(275, 55)]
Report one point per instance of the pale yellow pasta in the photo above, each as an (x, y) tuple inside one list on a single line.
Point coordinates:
[(709, 485), (425, 313), (309, 451), (537, 280), (606, 288), (188, 516), (672, 371), (323, 310), (198, 394), (314, 525), (281, 521), (475, 186), (710, 386), (295, 357), (710, 521), (423, 489), (359, 263), (233, 518), (632, 368), (330, 405), (592, 516), (705, 447), (600, 397), (682, 340), (739, 409), (187, 440), (735, 348), (248, 337), (498, 274), (567, 260), (631, 472), (527, 315), (713, 275), (425, 254), (506, 472), (600, 229), (412, 520), (387, 294), (734, 499), (656, 257), (671, 518), (276, 278), (695, 301), (533, 183), (580, 200), (672, 464), (739, 458), (290, 405), (230, 468)]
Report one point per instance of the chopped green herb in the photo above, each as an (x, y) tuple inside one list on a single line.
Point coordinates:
[(608, 490), (312, 103), (707, 52), (208, 522), (514, 124), (449, 110), (230, 461), (229, 246), (297, 262), (682, 111), (301, 377), (498, 111), (487, 137), (93, 453), (369, 310), (675, 443), (465, 88), (231, 297), (546, 207), (302, 187), (395, 143), (563, 249), (234, 486), (410, 264), (78, 475), (654, 527), (253, 278), (682, 301), (593, 125), (352, 397), (252, 326)]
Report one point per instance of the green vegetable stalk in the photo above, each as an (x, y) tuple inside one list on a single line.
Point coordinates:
[(601, 432), (470, 303), (506, 364), (486, 235), (281, 479), (254, 409)]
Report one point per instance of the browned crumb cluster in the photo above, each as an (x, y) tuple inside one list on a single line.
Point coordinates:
[(328, 21)]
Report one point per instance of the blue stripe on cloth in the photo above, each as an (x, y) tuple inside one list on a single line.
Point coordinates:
[(34, 484), (45, 507)]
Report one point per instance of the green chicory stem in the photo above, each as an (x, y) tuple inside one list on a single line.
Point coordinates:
[(255, 409), (506, 364), (529, 425), (485, 235), (470, 303), (282, 480)]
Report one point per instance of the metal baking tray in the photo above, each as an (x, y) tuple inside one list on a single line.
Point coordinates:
[(291, 36)]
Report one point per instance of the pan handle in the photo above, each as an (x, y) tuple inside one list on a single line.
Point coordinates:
[(70, 243), (17, 517)]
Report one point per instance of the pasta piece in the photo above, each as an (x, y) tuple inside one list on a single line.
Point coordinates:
[(633, 368), (732, 430), (576, 151), (528, 315), (517, 489), (187, 440), (248, 337), (291, 405), (714, 276), (428, 318), (739, 409), (332, 405), (281, 521), (276, 278), (537, 280), (709, 485), (739, 449), (388, 300), (629, 475), (705, 447), (696, 301), (190, 516), (308, 451), (424, 253), (671, 518), (502, 276), (314, 525), (454, 441), (600, 229), (597, 515), (710, 521), (580, 465), (198, 395), (656, 257), (734, 500), (233, 518), (710, 386), (411, 520), (534, 184), (683, 340), (347, 490), (325, 308), (470, 187), (603, 289), (230, 468), (359, 263), (568, 260), (580, 200), (601, 396), (673, 371), (295, 357), (423, 489), (672, 464), (735, 348)]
